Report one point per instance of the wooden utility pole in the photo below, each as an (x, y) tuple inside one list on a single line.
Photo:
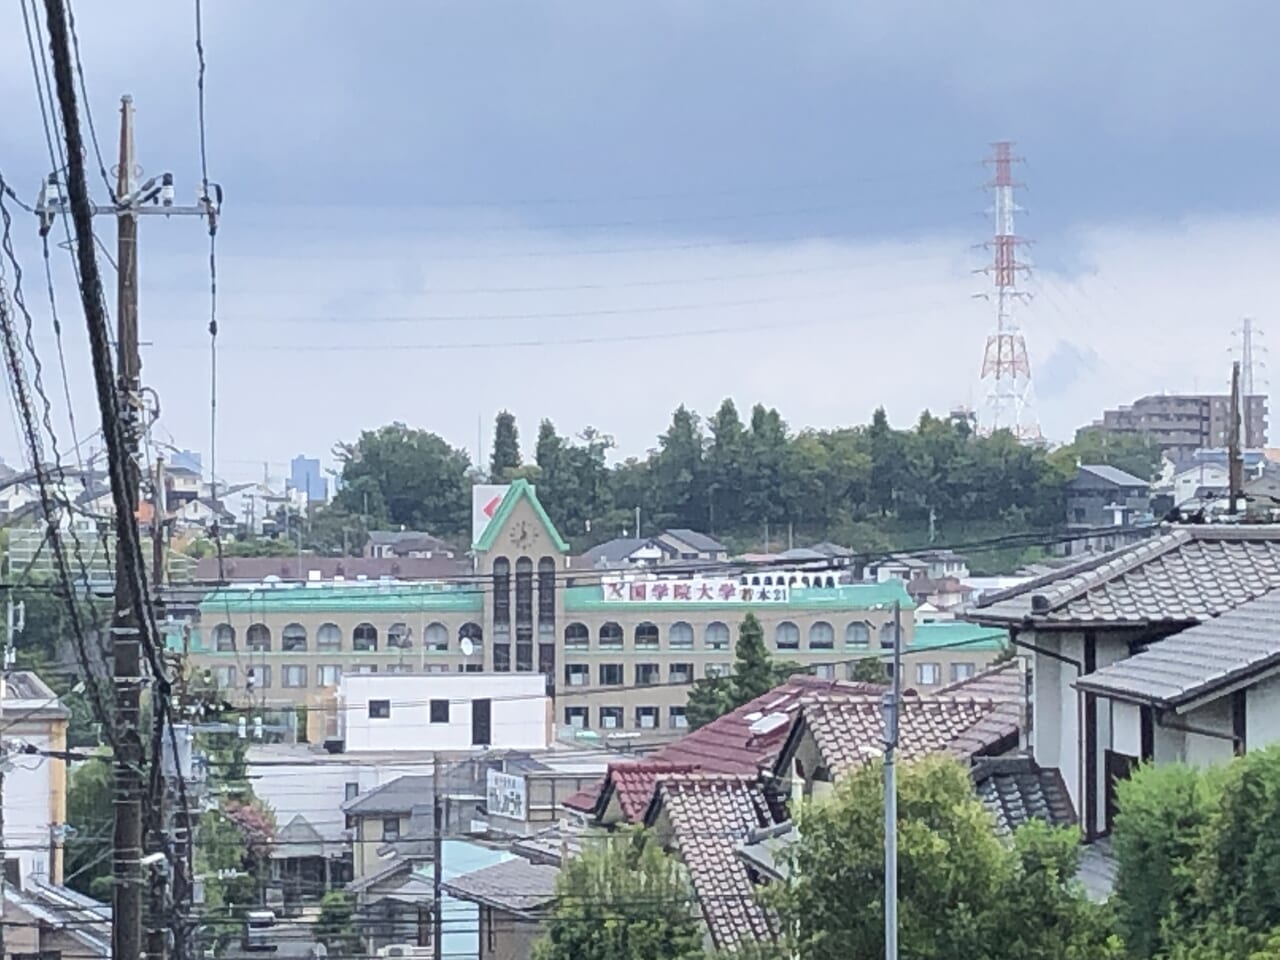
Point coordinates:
[(1235, 459), (159, 519), (437, 862)]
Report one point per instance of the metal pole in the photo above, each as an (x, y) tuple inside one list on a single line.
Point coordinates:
[(1235, 460), (158, 518), (892, 701), (437, 865)]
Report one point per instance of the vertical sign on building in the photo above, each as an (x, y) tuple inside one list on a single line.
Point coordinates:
[(485, 500), (506, 796)]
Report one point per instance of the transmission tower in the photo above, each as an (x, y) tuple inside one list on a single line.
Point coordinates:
[(1250, 361), (1005, 363)]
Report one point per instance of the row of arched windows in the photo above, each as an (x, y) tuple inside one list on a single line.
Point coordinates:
[(716, 636), (524, 591), (329, 636)]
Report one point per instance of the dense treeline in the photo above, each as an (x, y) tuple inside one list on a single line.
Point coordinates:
[(869, 486)]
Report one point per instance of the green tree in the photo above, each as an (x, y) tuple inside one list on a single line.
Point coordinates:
[(678, 471), (336, 925), (755, 673), (870, 670), (506, 448), (963, 893), (401, 476), (623, 898), (88, 846), (1133, 453)]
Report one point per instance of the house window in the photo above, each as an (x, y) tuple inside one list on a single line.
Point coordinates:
[(647, 674), (294, 675), (610, 674), (293, 638), (610, 718), (961, 671), (928, 673), (398, 636), (681, 673), (821, 636), (577, 674), (610, 636), (390, 829), (364, 637), (399, 668), (225, 677), (524, 649), (379, 709), (471, 668), (364, 668), (787, 636), (576, 718), (717, 636), (474, 633), (224, 638), (647, 718), (436, 637), (259, 677), (1079, 514), (439, 711), (502, 657), (328, 675), (857, 635), (647, 636), (713, 671), (676, 718), (258, 637), (680, 636), (352, 790), (887, 633), (329, 637), (824, 671), (577, 637)]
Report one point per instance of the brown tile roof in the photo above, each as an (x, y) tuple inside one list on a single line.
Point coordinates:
[(631, 784), (728, 744), (1185, 575), (711, 815)]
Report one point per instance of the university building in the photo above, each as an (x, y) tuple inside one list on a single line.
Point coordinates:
[(618, 651)]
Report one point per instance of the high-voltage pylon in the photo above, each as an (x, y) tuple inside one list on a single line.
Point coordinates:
[(1005, 364)]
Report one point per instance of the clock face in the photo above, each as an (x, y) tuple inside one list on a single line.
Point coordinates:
[(523, 535)]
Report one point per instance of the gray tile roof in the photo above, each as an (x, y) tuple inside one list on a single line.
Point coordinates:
[(400, 796), (517, 886), (1185, 575), (1017, 791), (699, 541), (613, 551), (1113, 475), (1239, 644)]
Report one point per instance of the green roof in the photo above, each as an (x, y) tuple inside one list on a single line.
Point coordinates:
[(374, 598), (520, 489), (957, 633), (849, 596)]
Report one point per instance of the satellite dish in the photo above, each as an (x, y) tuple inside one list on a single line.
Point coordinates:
[(468, 648)]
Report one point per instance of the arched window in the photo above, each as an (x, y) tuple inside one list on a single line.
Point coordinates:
[(293, 638), (398, 636), (473, 632), (680, 636), (524, 591), (717, 636), (577, 637), (886, 635), (821, 636), (436, 637), (610, 636), (364, 637), (547, 595), (787, 636), (502, 591), (329, 637), (258, 637), (647, 636), (857, 635), (224, 638)]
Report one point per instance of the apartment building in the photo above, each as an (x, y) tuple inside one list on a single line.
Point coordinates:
[(618, 651), (1184, 423)]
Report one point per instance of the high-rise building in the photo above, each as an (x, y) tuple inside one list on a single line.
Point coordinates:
[(1184, 423), (306, 477)]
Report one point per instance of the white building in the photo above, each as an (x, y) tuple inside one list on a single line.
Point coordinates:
[(35, 786), (457, 712)]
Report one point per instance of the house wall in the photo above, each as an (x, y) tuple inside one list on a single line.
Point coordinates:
[(35, 800), (518, 705), (507, 936), (1200, 750), (1262, 714)]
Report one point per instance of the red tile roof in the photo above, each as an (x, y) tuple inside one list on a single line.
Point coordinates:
[(725, 745)]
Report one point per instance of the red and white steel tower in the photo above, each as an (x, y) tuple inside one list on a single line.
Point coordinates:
[(1005, 363)]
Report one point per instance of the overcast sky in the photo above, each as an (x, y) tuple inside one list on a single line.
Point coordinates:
[(596, 211)]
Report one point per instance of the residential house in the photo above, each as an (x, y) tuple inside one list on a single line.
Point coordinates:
[(1103, 496), (689, 545), (406, 543), (924, 564), (686, 548), (182, 485), (44, 921), (946, 595), (201, 515), (514, 898), (1162, 652), (35, 785)]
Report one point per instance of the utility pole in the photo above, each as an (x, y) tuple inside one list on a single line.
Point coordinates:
[(1235, 459), (892, 703), (159, 519), (437, 865)]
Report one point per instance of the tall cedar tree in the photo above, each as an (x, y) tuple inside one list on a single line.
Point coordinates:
[(506, 447), (754, 674)]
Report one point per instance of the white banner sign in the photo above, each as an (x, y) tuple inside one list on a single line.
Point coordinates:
[(506, 796), (485, 500), (693, 591)]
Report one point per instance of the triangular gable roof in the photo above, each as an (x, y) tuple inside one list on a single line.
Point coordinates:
[(520, 489)]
